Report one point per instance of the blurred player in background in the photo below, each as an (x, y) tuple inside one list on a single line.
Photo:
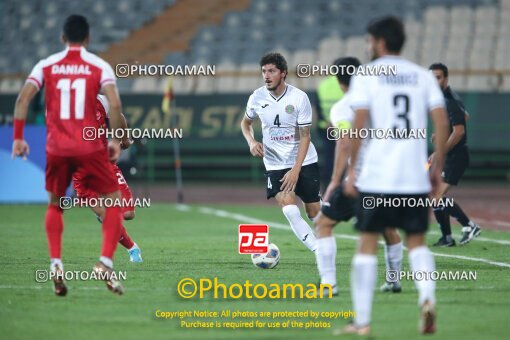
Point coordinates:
[(84, 192), (289, 155), (337, 207), (393, 168), (328, 93), (457, 160), (72, 80)]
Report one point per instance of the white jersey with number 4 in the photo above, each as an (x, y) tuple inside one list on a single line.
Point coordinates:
[(402, 102), (281, 119)]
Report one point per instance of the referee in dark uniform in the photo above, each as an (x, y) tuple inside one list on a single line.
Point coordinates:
[(457, 160)]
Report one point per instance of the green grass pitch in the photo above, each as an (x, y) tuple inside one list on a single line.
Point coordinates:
[(194, 243)]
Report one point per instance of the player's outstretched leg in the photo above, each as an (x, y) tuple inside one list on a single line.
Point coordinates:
[(54, 225), (470, 230), (111, 234), (422, 260), (443, 218), (135, 253), (326, 251), (299, 226), (393, 254)]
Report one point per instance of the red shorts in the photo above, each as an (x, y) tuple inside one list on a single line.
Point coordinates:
[(84, 191), (94, 169)]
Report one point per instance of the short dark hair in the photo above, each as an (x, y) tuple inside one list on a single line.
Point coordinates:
[(391, 30), (276, 59), (345, 77), (440, 66), (76, 28)]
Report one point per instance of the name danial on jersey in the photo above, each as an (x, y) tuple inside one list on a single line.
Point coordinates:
[(71, 69)]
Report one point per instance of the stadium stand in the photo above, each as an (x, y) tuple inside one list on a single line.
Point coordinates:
[(471, 36), (233, 34)]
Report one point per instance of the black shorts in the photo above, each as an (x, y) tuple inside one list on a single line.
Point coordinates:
[(339, 207), (372, 218), (307, 187), (455, 165)]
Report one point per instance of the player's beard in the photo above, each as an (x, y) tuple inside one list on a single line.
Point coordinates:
[(272, 88)]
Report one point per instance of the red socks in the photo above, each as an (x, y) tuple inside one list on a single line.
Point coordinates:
[(125, 240), (54, 224), (112, 226)]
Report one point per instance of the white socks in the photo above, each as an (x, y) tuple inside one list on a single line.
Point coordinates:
[(302, 230), (326, 254), (363, 278), (421, 259), (106, 261), (393, 255), (54, 263)]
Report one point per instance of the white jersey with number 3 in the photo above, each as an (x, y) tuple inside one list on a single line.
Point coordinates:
[(402, 102), (281, 119)]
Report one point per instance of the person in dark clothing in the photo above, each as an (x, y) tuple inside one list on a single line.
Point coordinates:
[(457, 160)]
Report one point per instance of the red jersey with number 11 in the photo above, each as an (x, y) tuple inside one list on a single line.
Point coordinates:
[(72, 80)]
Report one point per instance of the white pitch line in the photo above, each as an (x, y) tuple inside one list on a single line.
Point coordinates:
[(432, 232), (247, 219)]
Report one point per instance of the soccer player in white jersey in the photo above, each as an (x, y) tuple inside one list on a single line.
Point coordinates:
[(393, 169), (289, 156), (337, 207)]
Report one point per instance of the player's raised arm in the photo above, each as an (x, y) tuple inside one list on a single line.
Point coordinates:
[(20, 147)]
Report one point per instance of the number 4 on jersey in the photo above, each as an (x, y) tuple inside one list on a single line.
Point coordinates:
[(277, 120)]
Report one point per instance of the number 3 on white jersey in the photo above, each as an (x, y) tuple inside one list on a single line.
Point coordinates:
[(65, 87), (269, 185)]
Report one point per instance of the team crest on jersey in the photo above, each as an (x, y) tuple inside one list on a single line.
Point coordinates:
[(289, 108)]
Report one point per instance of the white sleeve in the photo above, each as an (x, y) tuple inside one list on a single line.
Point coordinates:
[(435, 97), (251, 112), (36, 76), (104, 102), (359, 92), (107, 75), (304, 117), (341, 116)]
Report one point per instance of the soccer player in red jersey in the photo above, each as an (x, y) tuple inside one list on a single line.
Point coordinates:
[(83, 191), (72, 80)]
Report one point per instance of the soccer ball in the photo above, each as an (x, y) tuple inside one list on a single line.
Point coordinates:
[(268, 260)]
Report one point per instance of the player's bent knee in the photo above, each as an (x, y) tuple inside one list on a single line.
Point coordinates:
[(129, 215), (286, 198), (312, 210), (415, 240), (391, 236), (324, 225)]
